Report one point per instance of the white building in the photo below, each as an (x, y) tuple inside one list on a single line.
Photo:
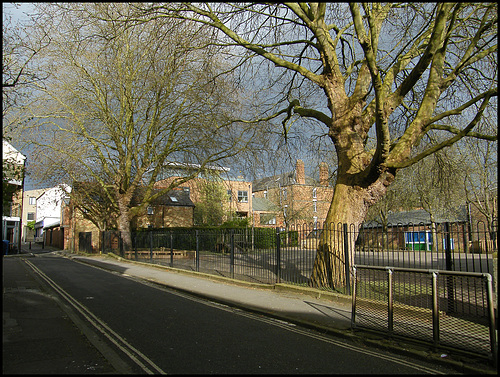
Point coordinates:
[(48, 208), (11, 216), (29, 211)]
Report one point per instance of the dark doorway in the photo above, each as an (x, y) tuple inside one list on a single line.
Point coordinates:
[(85, 242)]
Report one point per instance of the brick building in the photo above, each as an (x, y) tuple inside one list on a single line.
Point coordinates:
[(173, 209), (298, 198), (239, 198)]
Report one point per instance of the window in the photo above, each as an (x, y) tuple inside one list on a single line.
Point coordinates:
[(243, 196), (315, 193), (31, 216), (284, 193), (315, 205), (186, 189), (265, 194), (229, 195), (267, 219), (418, 240), (150, 210), (32, 200)]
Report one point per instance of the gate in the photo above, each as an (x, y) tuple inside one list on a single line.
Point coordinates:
[(85, 242)]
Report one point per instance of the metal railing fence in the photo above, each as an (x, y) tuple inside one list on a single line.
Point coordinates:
[(447, 308), (443, 265), (446, 246), (271, 255)]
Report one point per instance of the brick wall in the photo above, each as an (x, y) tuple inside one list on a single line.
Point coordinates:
[(244, 208), (166, 216)]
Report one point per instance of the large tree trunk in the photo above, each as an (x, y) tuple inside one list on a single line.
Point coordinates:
[(124, 228), (124, 223), (349, 206)]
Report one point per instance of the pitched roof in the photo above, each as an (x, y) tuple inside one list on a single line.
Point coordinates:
[(263, 205), (280, 180), (175, 198), (11, 154), (178, 198), (419, 216)]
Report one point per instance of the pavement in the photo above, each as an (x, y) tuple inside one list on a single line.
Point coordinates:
[(27, 305)]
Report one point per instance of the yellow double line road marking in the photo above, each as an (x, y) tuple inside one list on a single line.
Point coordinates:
[(134, 354)]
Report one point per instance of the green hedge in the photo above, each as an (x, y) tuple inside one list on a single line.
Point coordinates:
[(212, 238)]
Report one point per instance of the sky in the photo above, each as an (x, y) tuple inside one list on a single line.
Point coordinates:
[(18, 14)]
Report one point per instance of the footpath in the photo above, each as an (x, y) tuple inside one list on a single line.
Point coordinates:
[(321, 310)]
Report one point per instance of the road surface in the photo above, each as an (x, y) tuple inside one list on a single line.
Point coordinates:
[(157, 330)]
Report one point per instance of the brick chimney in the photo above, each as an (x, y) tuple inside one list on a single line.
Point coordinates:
[(300, 175), (323, 174)]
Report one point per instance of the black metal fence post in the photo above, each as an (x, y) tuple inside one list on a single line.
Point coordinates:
[(347, 260), (278, 255), (449, 267), (354, 291), (171, 249), (150, 243), (197, 260), (231, 255), (121, 245)]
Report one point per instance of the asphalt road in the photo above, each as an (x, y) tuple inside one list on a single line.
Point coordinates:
[(157, 330)]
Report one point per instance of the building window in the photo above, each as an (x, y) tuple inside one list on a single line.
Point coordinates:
[(31, 216), (229, 195), (186, 189), (267, 219), (32, 200), (284, 194), (315, 206), (243, 196), (265, 194), (150, 210), (314, 193)]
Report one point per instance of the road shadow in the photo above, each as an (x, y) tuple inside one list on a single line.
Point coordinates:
[(330, 311)]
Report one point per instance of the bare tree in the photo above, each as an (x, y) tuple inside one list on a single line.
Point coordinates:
[(17, 58), (378, 78), (123, 104), (480, 165), (89, 201)]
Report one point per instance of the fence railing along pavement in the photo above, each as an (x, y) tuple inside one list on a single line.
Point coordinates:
[(288, 255)]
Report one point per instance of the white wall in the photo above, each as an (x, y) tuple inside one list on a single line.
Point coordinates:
[(48, 204), (48, 208)]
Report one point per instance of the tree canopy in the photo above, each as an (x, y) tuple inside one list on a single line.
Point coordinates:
[(120, 105), (390, 83)]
